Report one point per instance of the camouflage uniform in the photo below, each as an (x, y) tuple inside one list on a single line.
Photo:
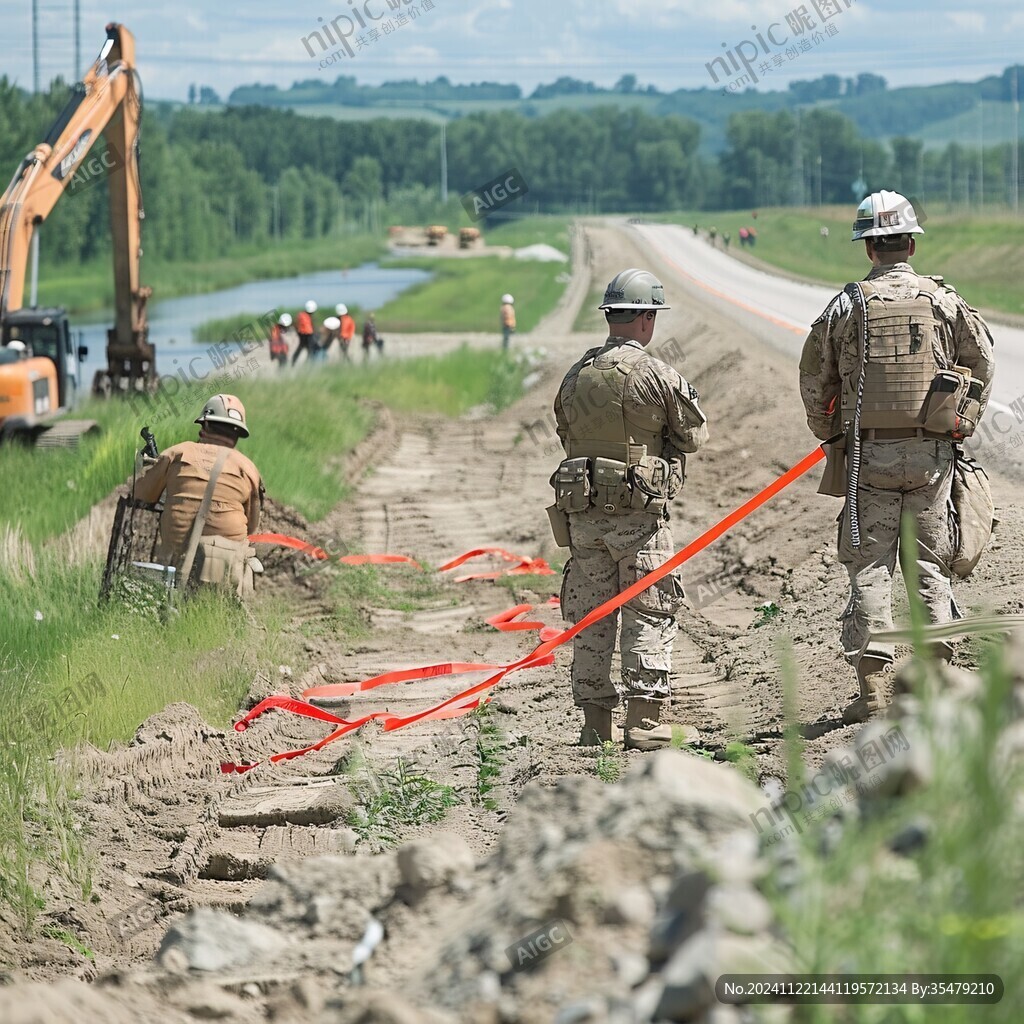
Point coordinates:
[(610, 551), (898, 477)]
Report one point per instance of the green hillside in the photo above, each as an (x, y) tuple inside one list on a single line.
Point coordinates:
[(936, 114)]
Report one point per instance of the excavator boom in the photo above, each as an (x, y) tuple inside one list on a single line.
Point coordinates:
[(107, 102)]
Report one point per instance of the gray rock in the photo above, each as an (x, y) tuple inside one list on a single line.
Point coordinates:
[(436, 861), (736, 858), (688, 891), (214, 940), (912, 837), (588, 1012), (740, 909), (633, 904), (630, 968), (743, 954), (686, 991), (648, 998)]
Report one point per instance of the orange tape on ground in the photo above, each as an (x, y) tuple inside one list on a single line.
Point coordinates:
[(284, 541), (525, 565), (544, 652)]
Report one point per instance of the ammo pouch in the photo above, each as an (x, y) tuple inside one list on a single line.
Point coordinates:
[(653, 483), (613, 486), (222, 562), (610, 490), (559, 525), (571, 482), (953, 403)]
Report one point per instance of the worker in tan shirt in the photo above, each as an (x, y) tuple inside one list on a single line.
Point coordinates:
[(184, 471)]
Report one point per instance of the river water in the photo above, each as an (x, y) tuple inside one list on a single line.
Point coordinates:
[(172, 321)]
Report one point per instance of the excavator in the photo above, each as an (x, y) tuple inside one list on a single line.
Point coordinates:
[(40, 366)]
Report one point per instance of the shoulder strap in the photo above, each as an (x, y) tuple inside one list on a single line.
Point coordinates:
[(200, 520)]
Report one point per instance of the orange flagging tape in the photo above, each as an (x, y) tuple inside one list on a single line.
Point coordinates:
[(524, 565), (284, 541), (543, 653), (504, 621)]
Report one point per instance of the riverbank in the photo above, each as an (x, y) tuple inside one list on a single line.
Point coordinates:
[(87, 287)]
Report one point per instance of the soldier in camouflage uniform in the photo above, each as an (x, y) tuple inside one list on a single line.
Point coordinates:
[(914, 331), (625, 420)]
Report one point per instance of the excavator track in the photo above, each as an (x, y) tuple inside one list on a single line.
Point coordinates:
[(66, 433)]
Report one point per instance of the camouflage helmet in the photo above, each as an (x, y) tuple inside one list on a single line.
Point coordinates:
[(225, 409), (634, 291), (885, 213)]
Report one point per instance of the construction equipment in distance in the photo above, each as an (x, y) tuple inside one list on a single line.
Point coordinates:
[(468, 237), (44, 381)]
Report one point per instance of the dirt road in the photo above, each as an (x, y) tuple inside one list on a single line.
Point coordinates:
[(170, 832)]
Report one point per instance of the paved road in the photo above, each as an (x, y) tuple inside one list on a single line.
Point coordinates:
[(782, 310)]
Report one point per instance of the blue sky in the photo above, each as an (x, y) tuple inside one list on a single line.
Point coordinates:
[(665, 43)]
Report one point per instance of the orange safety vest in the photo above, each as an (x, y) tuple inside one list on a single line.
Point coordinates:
[(304, 323)]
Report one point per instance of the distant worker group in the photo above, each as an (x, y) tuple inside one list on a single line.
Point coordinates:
[(319, 344)]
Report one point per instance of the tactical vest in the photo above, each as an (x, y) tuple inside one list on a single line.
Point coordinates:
[(598, 423), (897, 349)]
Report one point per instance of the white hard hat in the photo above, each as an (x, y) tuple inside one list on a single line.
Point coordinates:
[(341, 309), (332, 323), (885, 213), (311, 306), (285, 320), (507, 298), (634, 290), (17, 346)]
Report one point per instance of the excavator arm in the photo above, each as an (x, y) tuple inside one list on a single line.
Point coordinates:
[(108, 101)]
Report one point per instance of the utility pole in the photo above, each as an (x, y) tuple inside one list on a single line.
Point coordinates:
[(1015, 191), (35, 46), (444, 162), (981, 155), (77, 76)]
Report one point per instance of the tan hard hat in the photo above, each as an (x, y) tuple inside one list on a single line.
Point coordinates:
[(225, 409)]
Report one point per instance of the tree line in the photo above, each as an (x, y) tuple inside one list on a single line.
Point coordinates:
[(215, 179)]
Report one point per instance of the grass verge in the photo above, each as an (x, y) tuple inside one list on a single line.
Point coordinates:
[(465, 294), (980, 256)]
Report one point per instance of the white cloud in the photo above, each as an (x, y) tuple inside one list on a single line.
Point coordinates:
[(967, 21)]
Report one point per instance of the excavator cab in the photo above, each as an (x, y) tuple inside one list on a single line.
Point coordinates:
[(44, 332), (40, 376)]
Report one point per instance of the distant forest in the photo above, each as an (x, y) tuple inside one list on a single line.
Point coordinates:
[(876, 110), (214, 178)]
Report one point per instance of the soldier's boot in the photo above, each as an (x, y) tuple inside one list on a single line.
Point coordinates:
[(597, 726), (870, 676), (643, 731)]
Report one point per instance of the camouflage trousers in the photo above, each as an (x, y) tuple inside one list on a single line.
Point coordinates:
[(898, 479), (609, 553)]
